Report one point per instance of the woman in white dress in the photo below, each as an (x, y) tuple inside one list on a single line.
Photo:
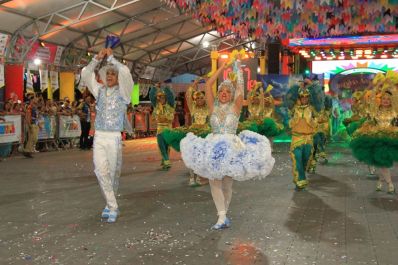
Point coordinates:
[(224, 156)]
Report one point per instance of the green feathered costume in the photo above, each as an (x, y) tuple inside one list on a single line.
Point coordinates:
[(354, 125), (379, 150), (174, 136)]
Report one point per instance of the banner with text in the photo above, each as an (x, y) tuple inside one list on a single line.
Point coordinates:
[(48, 54), (2, 83), (47, 126), (10, 128), (69, 127), (3, 43), (43, 79), (54, 80)]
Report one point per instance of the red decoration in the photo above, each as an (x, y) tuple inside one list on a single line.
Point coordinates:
[(13, 74)]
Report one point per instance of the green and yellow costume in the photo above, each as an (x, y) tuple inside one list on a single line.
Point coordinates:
[(199, 115), (321, 135), (303, 124), (200, 126), (376, 141), (262, 118), (163, 103)]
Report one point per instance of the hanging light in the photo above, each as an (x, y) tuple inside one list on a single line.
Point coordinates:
[(342, 51)]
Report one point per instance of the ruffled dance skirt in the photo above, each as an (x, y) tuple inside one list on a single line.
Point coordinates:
[(242, 157), (267, 127), (378, 148)]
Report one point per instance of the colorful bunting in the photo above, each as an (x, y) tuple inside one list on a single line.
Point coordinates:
[(266, 19)]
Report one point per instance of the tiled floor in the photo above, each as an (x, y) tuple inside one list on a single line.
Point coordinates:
[(50, 208)]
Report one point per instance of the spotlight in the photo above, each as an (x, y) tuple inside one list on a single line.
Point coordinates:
[(42, 44), (205, 44), (37, 61)]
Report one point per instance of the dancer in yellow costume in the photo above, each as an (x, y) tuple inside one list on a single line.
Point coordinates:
[(196, 102), (256, 102), (303, 124), (163, 103), (376, 141), (261, 108), (358, 109), (269, 104), (200, 115), (322, 134)]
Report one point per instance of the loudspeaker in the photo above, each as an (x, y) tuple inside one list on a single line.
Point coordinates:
[(274, 50)]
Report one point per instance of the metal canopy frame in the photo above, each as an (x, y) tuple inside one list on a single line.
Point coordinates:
[(168, 40)]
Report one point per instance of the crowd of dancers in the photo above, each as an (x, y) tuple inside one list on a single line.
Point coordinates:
[(219, 147)]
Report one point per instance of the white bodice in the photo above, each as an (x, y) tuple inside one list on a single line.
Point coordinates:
[(224, 120)]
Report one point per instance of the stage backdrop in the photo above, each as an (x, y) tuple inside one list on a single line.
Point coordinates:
[(249, 67)]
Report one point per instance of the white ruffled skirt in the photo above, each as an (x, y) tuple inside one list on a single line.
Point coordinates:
[(242, 157)]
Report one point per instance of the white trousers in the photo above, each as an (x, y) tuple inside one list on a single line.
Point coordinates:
[(108, 164)]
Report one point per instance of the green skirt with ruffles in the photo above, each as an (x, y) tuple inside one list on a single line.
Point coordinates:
[(174, 136), (268, 127), (377, 149), (354, 125)]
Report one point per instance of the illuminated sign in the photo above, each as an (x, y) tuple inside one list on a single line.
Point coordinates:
[(346, 67), (361, 70), (345, 41)]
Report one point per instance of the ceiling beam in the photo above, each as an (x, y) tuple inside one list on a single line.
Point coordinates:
[(79, 20), (175, 42)]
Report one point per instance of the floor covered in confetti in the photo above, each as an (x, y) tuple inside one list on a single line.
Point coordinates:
[(50, 214)]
